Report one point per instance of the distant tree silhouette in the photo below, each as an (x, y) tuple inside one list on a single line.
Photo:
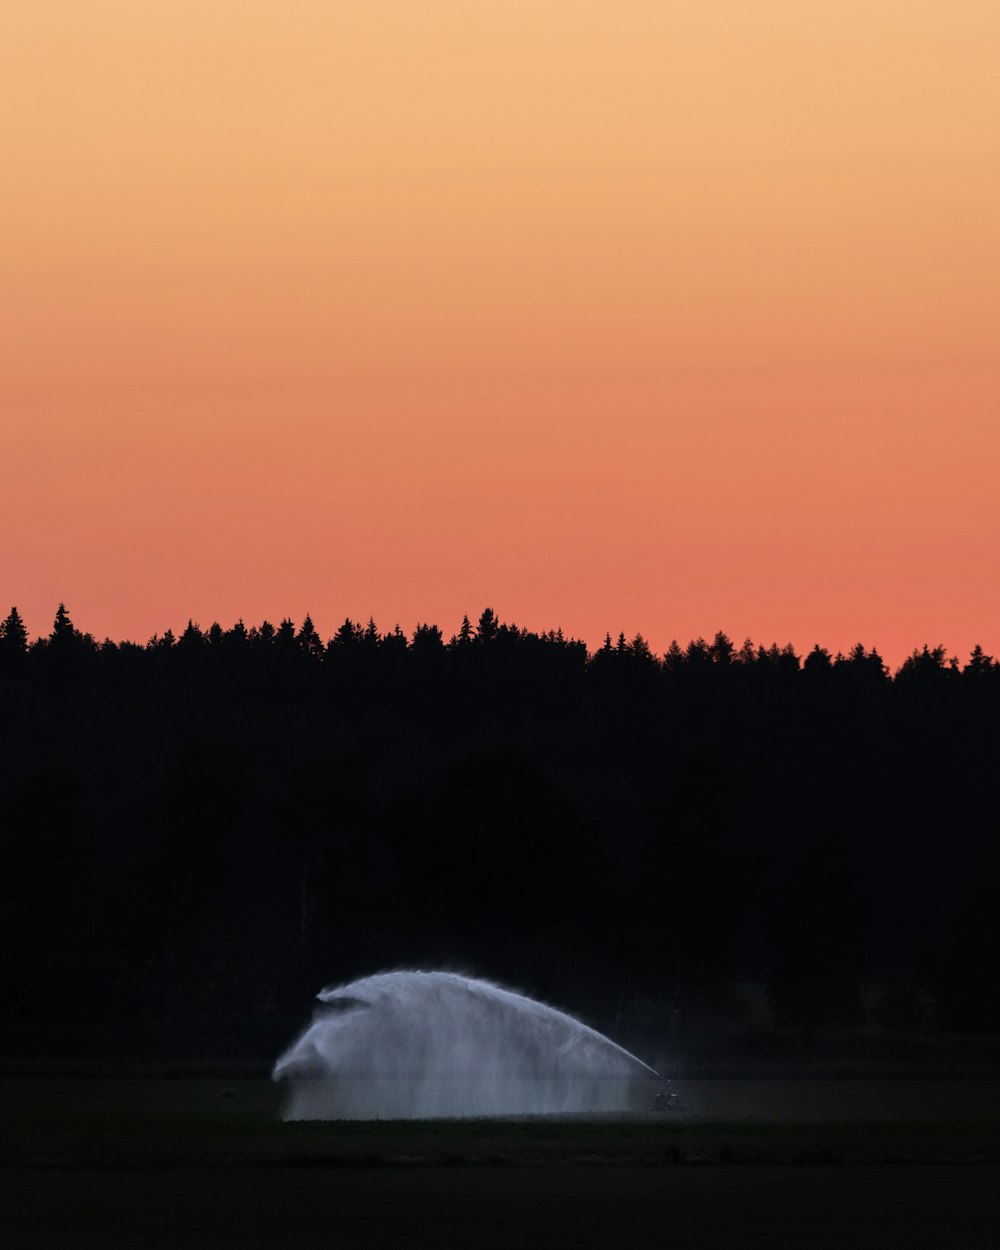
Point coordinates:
[(980, 664), (925, 664), (698, 656), (284, 638), (191, 640), (641, 651), (208, 828), (673, 660), (722, 650), (395, 643), (817, 663), (63, 632), (464, 636), (348, 636), (237, 637), (66, 647), (868, 666), (13, 638), (309, 640), (427, 639), (488, 627)]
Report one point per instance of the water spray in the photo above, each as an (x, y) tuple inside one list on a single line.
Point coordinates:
[(405, 1045)]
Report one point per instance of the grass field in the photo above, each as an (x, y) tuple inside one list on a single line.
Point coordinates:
[(762, 1208), (168, 1164), (128, 1124)]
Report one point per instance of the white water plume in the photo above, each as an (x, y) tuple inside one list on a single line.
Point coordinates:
[(409, 1045)]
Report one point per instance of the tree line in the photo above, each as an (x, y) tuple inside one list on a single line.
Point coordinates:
[(200, 831)]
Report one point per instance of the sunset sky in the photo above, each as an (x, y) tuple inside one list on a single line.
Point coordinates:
[(666, 316)]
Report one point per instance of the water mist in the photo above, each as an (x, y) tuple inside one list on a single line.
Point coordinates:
[(407, 1045)]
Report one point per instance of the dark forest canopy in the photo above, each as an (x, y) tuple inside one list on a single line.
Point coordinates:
[(426, 639), (201, 831)]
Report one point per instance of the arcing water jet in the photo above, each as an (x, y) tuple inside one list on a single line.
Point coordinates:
[(415, 1045)]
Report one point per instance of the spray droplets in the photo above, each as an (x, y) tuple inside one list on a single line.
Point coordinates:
[(406, 1045)]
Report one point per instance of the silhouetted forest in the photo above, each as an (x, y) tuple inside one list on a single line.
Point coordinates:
[(200, 832)]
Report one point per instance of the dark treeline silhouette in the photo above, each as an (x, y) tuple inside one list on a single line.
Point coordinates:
[(200, 832)]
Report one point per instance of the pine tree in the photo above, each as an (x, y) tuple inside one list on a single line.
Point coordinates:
[(817, 661), (721, 650), (308, 639), (673, 657), (488, 627), (348, 635), (13, 635), (427, 639), (238, 635), (63, 631), (284, 639), (979, 662), (192, 639)]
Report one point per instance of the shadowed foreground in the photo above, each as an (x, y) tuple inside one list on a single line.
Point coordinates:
[(171, 1164), (764, 1207), (135, 1124)]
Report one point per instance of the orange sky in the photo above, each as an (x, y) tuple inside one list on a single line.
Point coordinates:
[(660, 316)]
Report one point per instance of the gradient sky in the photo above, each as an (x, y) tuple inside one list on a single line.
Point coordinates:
[(654, 315)]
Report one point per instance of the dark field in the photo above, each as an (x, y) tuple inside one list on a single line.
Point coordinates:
[(184, 1123), (689, 1207), (167, 1163)]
